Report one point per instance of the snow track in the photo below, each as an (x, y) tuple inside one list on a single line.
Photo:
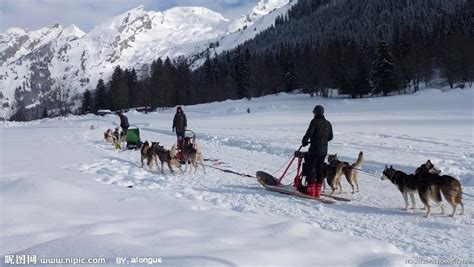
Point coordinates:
[(376, 212), (246, 144)]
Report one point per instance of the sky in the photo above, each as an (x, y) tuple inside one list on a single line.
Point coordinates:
[(36, 14)]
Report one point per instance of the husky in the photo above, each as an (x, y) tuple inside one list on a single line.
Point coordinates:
[(335, 168), (143, 151), (408, 184), (448, 185), (109, 136), (427, 167), (168, 156), (148, 152), (192, 154)]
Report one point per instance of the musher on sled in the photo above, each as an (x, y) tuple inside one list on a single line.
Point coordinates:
[(318, 135)]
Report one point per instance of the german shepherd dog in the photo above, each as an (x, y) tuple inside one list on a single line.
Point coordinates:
[(192, 154), (408, 184), (448, 185), (109, 136), (149, 153), (168, 156), (335, 168)]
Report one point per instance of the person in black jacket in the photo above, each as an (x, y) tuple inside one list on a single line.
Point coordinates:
[(179, 125), (123, 122), (318, 135)]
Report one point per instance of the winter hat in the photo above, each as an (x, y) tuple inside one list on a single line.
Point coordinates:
[(318, 110), (179, 109)]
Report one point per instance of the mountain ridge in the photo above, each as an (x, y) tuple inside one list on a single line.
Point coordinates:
[(57, 60)]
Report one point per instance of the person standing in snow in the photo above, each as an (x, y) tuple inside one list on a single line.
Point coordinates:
[(179, 125), (319, 133), (123, 122)]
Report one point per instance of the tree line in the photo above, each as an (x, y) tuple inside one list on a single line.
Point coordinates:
[(354, 71), (335, 47)]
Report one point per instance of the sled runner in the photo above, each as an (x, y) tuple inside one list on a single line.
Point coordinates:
[(270, 182), (263, 178)]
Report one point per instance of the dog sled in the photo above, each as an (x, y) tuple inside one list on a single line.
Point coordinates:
[(271, 183), (133, 138), (189, 139)]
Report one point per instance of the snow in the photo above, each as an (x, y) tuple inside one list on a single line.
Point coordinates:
[(262, 8), (64, 192), (132, 40)]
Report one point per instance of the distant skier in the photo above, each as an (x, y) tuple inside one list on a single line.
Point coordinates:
[(318, 135), (123, 122), (179, 125)]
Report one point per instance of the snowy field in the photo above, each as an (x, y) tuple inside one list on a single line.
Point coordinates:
[(65, 193)]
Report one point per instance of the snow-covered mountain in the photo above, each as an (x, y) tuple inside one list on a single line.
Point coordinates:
[(51, 66), (263, 8)]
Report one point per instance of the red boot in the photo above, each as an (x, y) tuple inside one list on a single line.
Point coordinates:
[(311, 190), (317, 189)]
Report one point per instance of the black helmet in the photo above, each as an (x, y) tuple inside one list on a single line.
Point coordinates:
[(318, 110), (179, 109)]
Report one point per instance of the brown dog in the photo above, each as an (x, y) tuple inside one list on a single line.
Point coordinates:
[(168, 156), (150, 153), (336, 168), (192, 154), (448, 185), (109, 136)]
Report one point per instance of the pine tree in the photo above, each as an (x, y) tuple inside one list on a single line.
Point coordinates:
[(383, 71), (100, 96), (289, 66), (86, 102), (118, 90), (131, 80), (457, 60)]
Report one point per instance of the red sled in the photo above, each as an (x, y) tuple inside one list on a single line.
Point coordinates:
[(189, 139)]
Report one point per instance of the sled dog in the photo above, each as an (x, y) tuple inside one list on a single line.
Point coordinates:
[(148, 152), (448, 185), (168, 156), (427, 167), (109, 136), (192, 154), (335, 168), (408, 184)]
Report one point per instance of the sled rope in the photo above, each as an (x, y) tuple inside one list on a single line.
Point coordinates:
[(469, 195), (228, 171), (366, 172), (284, 164)]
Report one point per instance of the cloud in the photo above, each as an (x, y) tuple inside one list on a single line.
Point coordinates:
[(36, 14)]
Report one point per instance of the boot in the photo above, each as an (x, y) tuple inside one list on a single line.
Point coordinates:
[(311, 190), (317, 189)]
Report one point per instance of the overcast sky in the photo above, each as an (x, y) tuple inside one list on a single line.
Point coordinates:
[(35, 14)]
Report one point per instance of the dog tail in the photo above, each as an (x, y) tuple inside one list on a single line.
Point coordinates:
[(359, 162)]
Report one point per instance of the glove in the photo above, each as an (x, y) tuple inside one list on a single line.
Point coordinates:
[(172, 130), (304, 143)]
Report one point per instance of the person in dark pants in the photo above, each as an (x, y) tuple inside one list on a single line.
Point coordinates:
[(179, 125), (318, 135), (123, 122)]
